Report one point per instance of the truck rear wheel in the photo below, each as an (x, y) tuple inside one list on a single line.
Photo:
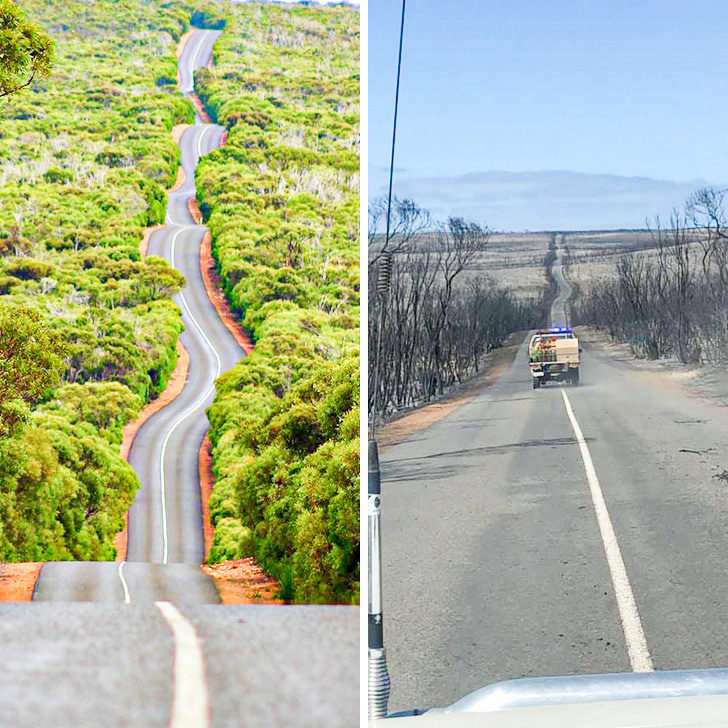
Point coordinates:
[(575, 376)]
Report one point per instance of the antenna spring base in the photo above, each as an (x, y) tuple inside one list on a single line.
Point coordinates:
[(385, 274), (378, 684)]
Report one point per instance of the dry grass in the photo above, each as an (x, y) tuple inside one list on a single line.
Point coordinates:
[(593, 256), (514, 261)]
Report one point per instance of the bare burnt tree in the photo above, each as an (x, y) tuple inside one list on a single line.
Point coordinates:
[(407, 219), (706, 213), (458, 242), (437, 325), (671, 299)]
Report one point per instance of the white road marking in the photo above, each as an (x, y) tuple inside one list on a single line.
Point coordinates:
[(191, 701), (199, 143), (127, 596), (198, 403), (639, 654), (194, 57), (189, 313)]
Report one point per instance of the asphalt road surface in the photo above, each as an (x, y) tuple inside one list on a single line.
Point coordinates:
[(560, 307), (85, 667), (504, 526), (152, 646)]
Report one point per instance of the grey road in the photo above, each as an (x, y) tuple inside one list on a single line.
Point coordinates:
[(560, 307), (494, 561), (85, 667), (152, 646), (165, 521)]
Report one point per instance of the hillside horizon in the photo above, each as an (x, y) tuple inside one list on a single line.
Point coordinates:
[(548, 200)]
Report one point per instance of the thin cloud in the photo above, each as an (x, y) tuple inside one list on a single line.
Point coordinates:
[(549, 200)]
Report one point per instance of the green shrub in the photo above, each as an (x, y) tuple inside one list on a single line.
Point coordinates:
[(281, 202), (232, 541)]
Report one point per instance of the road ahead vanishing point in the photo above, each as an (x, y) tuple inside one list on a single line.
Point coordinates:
[(155, 647), (566, 530)]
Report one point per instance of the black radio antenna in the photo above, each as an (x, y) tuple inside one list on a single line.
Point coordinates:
[(378, 675)]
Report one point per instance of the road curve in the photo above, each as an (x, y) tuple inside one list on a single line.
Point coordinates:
[(165, 520), (494, 560)]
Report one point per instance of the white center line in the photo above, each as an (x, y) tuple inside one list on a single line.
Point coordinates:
[(199, 142), (639, 654), (201, 400), (191, 702), (127, 596), (194, 57), (198, 403)]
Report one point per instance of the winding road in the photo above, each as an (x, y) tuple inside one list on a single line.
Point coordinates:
[(560, 307), (152, 646), (165, 520), (557, 531)]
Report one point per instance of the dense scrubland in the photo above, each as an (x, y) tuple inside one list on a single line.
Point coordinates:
[(85, 157), (281, 199)]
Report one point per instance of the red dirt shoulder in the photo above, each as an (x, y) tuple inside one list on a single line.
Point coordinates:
[(17, 581)]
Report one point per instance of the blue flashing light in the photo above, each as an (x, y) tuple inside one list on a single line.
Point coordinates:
[(560, 330)]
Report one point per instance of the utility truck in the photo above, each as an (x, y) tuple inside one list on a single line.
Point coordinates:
[(554, 354)]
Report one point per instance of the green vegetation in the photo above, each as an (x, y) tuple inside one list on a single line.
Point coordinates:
[(85, 324), (85, 157), (26, 51), (282, 202)]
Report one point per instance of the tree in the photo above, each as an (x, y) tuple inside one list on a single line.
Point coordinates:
[(26, 51), (30, 361), (407, 219)]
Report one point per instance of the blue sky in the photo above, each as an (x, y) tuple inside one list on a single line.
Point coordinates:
[(627, 89)]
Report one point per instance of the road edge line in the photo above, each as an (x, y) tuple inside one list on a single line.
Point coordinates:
[(191, 700), (639, 654)]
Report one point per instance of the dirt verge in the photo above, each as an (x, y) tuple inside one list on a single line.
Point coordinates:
[(242, 581), (178, 130), (197, 103), (406, 425), (181, 177), (207, 480), (144, 243), (17, 581), (194, 210), (183, 42), (180, 47), (213, 286), (238, 581)]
